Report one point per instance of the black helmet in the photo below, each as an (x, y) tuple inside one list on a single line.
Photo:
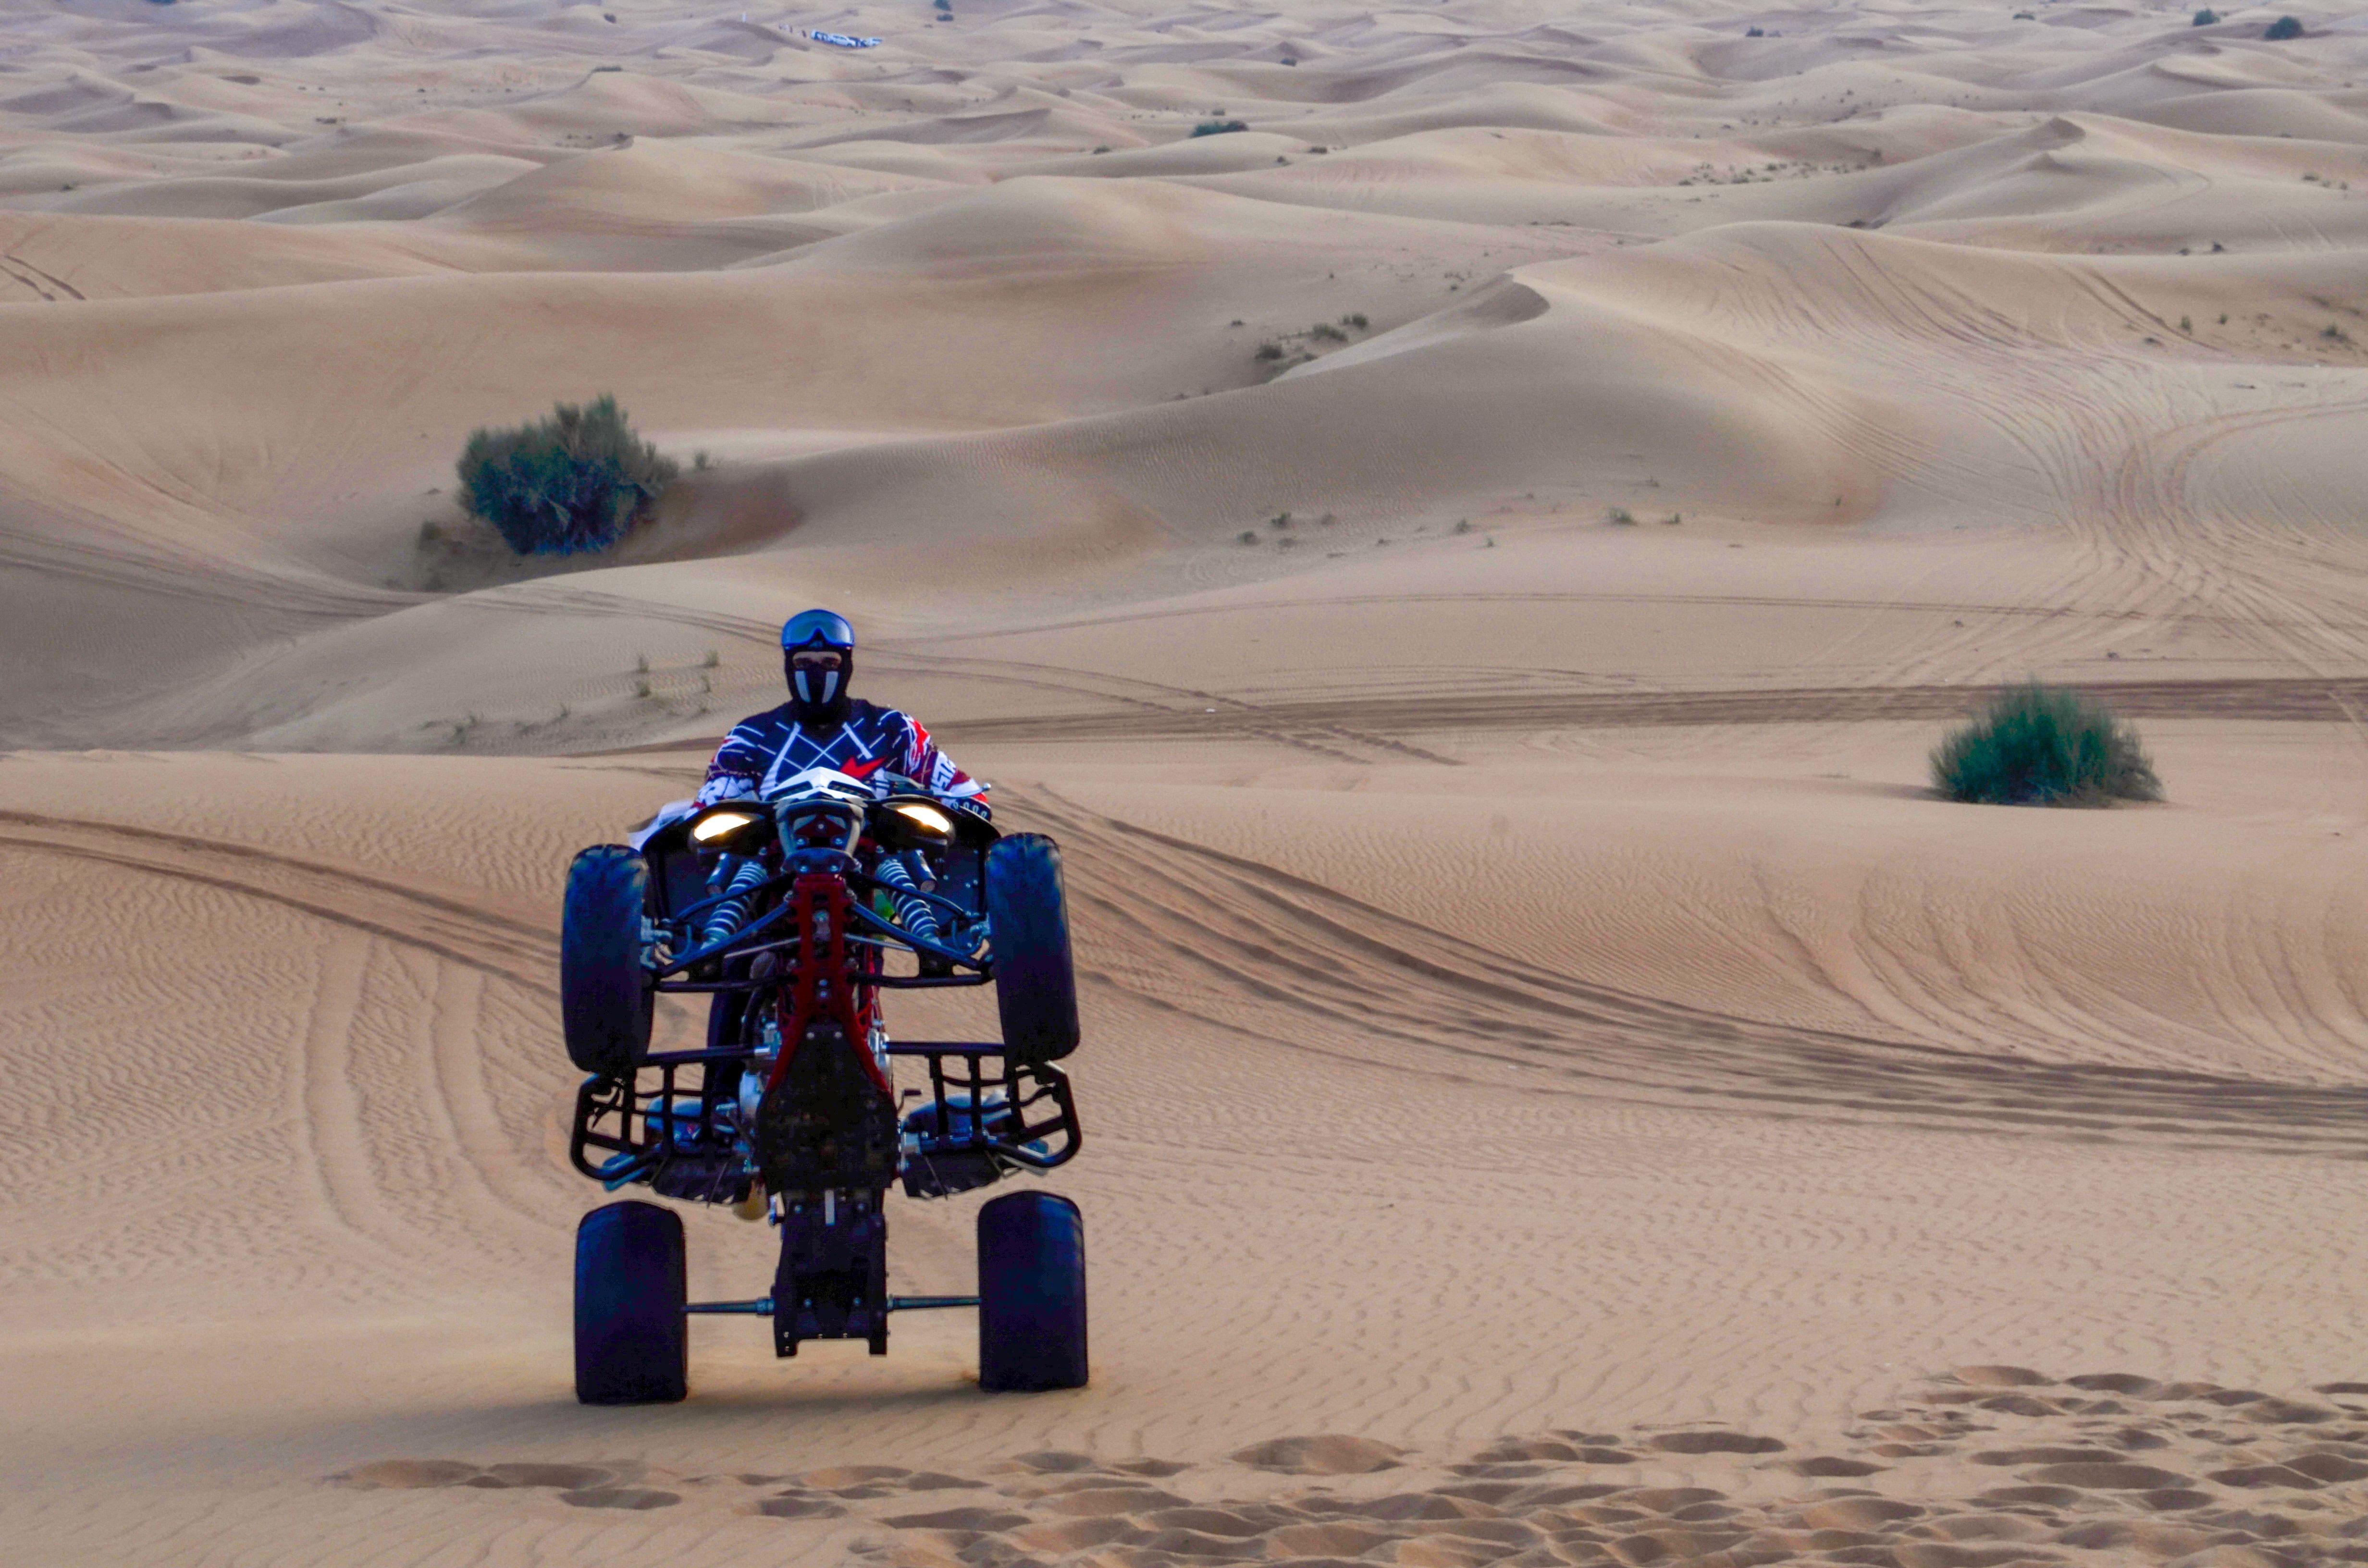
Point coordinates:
[(818, 660)]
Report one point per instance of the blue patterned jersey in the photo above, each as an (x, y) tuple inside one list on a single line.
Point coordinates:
[(769, 747)]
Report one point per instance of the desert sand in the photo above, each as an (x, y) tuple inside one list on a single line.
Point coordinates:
[(1470, 565)]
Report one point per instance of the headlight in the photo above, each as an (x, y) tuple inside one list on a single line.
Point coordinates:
[(718, 825), (926, 817)]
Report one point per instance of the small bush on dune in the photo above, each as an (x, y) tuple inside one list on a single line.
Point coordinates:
[(2206, 17), (573, 483), (2043, 746), (2283, 29), (1218, 127)]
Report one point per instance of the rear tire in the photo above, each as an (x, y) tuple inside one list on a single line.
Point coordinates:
[(1031, 1294), (605, 995), (633, 1342), (1028, 931)]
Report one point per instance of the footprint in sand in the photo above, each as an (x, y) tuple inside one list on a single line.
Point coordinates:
[(1671, 1499), (1858, 1514), (1088, 1502), (1046, 1461), (2157, 1541), (796, 1506), (1980, 1527), (1555, 1496), (1074, 1535), (1715, 1443), (632, 1497), (959, 1519), (1333, 1540), (2045, 1456), (2117, 1382), (2001, 1377), (1327, 1455), (2323, 1464), (409, 1474), (854, 1480), (1517, 1450), (1832, 1466), (2254, 1477), (2030, 1496), (1231, 1523), (2090, 1476), (558, 1477)]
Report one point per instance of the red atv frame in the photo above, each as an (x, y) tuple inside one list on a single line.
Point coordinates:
[(793, 914)]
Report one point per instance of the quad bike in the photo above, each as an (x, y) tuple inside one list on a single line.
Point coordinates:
[(792, 913)]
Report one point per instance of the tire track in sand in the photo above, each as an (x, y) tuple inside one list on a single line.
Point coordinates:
[(449, 928), (447, 1090), (1257, 951), (2291, 698)]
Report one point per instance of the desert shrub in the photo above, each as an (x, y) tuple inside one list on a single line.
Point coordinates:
[(2283, 29), (2044, 747), (1623, 517), (1218, 127), (2206, 17), (575, 482)]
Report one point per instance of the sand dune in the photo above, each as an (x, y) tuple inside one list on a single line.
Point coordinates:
[(1468, 553)]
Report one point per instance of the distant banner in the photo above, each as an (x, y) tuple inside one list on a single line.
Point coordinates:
[(843, 41)]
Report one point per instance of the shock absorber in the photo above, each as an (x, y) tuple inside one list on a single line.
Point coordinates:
[(737, 876), (913, 913)]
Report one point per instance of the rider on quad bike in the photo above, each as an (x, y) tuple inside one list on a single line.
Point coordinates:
[(822, 726), (832, 855)]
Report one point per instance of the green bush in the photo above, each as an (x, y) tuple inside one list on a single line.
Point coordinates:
[(2043, 746), (1218, 127), (575, 482), (2283, 29), (2206, 17)]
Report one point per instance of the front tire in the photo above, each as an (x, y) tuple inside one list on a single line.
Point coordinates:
[(1028, 933), (605, 995), (1031, 1294), (633, 1342)]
